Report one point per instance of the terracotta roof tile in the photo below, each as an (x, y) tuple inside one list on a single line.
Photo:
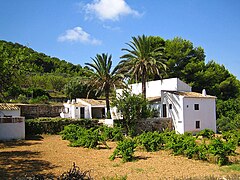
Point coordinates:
[(95, 102), (5, 106), (156, 98), (191, 94)]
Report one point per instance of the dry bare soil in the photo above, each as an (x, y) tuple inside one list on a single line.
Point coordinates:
[(51, 156)]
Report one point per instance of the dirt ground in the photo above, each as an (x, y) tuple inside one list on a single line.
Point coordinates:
[(51, 156)]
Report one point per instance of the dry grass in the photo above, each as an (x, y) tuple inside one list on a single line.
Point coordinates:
[(52, 156)]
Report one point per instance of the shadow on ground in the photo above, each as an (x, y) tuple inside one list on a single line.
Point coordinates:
[(15, 164), (15, 143)]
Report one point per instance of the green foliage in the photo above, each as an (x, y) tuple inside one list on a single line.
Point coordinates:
[(39, 100), (133, 108), (103, 78), (151, 141), (221, 150), (76, 89), (70, 132), (54, 125), (143, 60), (23, 67), (90, 138), (182, 59), (116, 178), (206, 133), (182, 145), (232, 136), (125, 149), (111, 134)]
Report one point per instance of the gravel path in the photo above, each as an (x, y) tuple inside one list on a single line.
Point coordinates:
[(52, 156)]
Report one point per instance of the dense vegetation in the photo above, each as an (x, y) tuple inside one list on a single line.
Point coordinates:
[(31, 77), (204, 146), (24, 71)]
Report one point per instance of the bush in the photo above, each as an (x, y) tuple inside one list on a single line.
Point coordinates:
[(75, 174), (221, 150), (232, 136), (54, 125), (151, 141), (40, 99), (125, 149), (70, 132), (86, 138), (111, 134), (182, 145), (90, 138), (206, 133)]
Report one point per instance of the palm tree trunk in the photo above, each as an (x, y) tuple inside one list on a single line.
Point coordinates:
[(144, 93), (107, 92)]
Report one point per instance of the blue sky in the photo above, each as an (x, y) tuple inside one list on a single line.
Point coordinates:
[(76, 30)]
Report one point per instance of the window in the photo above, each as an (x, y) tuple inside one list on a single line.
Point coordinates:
[(197, 124), (196, 106), (164, 111), (82, 112), (170, 106)]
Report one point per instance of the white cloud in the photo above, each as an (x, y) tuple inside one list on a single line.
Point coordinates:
[(77, 34), (109, 9)]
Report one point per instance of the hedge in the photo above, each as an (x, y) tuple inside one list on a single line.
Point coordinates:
[(54, 125)]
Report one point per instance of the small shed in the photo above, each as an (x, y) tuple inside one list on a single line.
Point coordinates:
[(12, 125)]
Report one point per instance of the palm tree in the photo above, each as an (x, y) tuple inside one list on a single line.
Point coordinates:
[(102, 78), (142, 60)]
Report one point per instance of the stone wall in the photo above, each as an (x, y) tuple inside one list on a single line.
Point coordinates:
[(40, 110), (154, 124)]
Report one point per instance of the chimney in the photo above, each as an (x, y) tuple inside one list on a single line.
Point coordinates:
[(204, 93), (73, 101)]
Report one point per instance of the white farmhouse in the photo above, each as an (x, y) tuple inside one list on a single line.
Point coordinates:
[(84, 108), (172, 98), (12, 125)]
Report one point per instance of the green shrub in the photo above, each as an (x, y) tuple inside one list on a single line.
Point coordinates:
[(54, 125), (125, 150), (151, 141), (182, 145), (206, 133), (39, 100), (70, 132), (88, 138), (221, 150), (111, 134), (232, 136)]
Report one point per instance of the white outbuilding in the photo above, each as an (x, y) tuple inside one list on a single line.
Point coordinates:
[(84, 108), (12, 125)]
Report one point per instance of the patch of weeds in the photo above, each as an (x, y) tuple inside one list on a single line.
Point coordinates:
[(116, 177), (139, 169), (116, 165), (233, 167)]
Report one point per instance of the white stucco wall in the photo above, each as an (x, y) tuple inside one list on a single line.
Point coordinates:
[(13, 113), (154, 88), (206, 114), (10, 131), (182, 86), (176, 113)]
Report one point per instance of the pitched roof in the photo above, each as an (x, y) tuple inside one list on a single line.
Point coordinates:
[(95, 102), (191, 94), (5, 106), (155, 98)]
